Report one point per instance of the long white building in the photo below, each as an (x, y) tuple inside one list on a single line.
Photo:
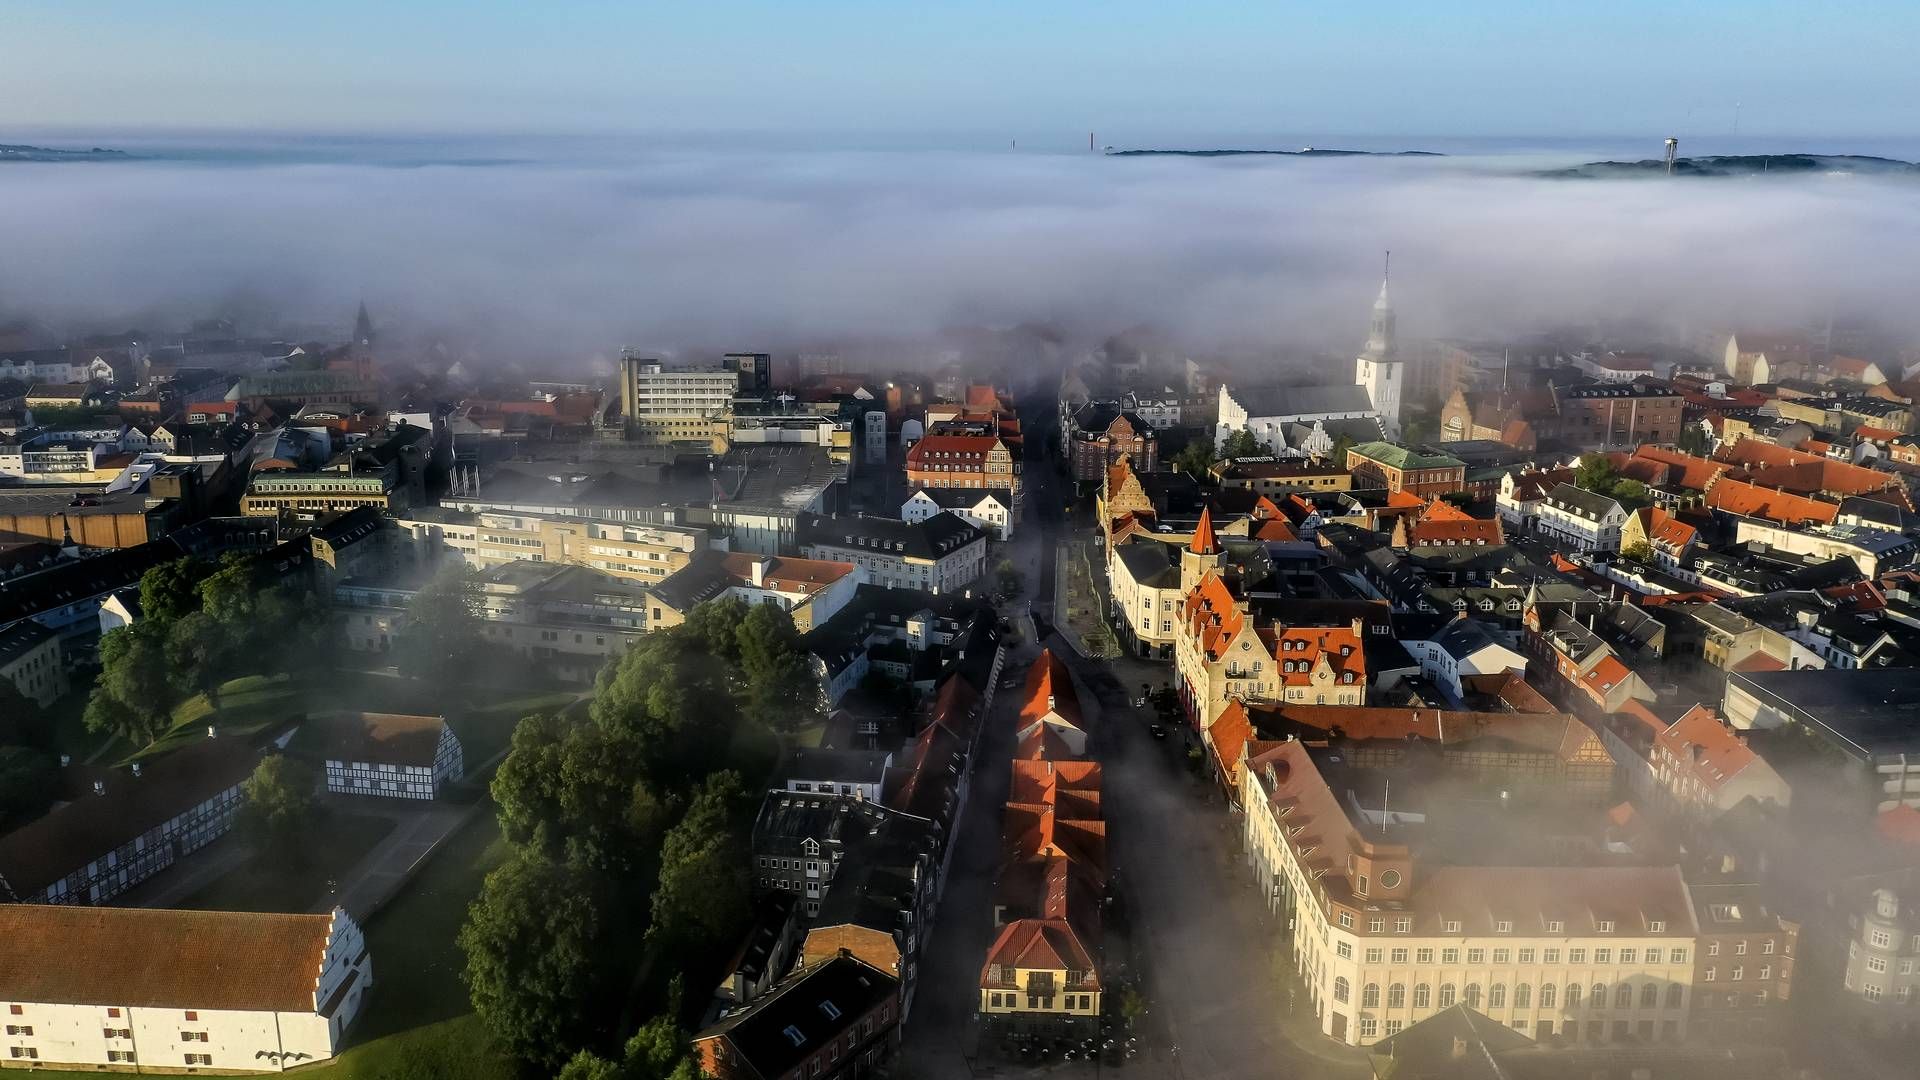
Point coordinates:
[(152, 990), (1593, 954)]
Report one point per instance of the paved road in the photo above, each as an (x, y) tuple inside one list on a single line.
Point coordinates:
[(1202, 940), (418, 828)]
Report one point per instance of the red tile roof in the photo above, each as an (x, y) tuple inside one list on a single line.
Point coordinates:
[(784, 574), (1706, 747), (1203, 542), (1748, 500), (1900, 825), (1042, 944), (161, 959), (1050, 690)]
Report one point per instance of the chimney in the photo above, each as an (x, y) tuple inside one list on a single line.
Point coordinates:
[(66, 760), (760, 571), (99, 787), (136, 768), (1050, 702), (212, 731)]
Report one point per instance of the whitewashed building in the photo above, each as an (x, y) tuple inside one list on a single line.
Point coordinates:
[(983, 508), (156, 990), (1464, 647), (1583, 520), (389, 754)]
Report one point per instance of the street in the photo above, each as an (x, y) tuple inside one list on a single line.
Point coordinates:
[(1205, 949)]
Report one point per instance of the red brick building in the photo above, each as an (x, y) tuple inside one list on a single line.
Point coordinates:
[(1102, 436)]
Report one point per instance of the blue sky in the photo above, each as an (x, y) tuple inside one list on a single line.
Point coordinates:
[(1041, 67)]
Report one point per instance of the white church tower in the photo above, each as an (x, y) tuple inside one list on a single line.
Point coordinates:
[(1379, 369)]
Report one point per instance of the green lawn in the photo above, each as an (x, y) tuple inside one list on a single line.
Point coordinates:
[(268, 882), (417, 1023), (256, 702)]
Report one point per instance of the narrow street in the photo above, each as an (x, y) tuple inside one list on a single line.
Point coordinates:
[(1205, 948)]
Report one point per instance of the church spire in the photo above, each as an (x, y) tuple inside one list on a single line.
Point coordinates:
[(1380, 343), (363, 327)]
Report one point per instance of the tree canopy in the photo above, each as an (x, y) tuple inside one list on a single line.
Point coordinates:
[(533, 941), (136, 691), (443, 635), (279, 804), (172, 589), (704, 868), (1243, 443)]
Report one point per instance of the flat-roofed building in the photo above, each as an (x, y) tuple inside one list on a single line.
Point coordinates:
[(677, 405), (151, 990)]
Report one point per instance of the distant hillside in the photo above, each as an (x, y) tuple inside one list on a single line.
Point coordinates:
[(1742, 165), (16, 152), (1307, 152)]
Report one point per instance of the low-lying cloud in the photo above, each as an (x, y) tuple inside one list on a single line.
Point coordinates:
[(683, 249)]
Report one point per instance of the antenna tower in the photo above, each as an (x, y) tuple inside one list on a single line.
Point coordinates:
[(1673, 147)]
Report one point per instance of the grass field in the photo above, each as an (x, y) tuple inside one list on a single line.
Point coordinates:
[(269, 882), (256, 702), (417, 1023)]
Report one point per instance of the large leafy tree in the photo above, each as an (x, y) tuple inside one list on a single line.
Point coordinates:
[(780, 687), (679, 703), (576, 791), (704, 869), (172, 589), (20, 718), (280, 805), (443, 635), (135, 694), (538, 975), (1243, 443)]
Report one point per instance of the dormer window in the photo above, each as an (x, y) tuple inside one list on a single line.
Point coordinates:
[(793, 1035)]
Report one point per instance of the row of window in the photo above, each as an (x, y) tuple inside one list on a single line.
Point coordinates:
[(1477, 956), (1523, 995), (1404, 925)]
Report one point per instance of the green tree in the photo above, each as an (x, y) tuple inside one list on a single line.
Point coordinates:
[(576, 791), (1342, 443), (1637, 552), (172, 589), (279, 805), (659, 1048), (135, 693), (1694, 440), (702, 894), (536, 967), (1007, 577), (1595, 473), (1631, 493), (443, 634), (714, 627), (670, 693), (1243, 443), (1197, 456), (229, 593), (587, 1065), (201, 649), (28, 781), (781, 690), (1132, 1005)]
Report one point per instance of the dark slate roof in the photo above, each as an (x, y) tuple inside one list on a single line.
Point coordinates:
[(840, 766), (703, 578), (935, 538), (821, 1003), (965, 498), (1585, 503), (21, 638), (1151, 563), (82, 579), (70, 835), (1302, 400)]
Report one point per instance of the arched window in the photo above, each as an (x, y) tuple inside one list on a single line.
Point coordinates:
[(1446, 995), (1497, 997), (1676, 996), (1522, 996), (1599, 998), (1422, 996), (1340, 992), (1473, 995), (1396, 995), (1573, 995), (1649, 995), (1370, 996), (1622, 996), (1546, 996)]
